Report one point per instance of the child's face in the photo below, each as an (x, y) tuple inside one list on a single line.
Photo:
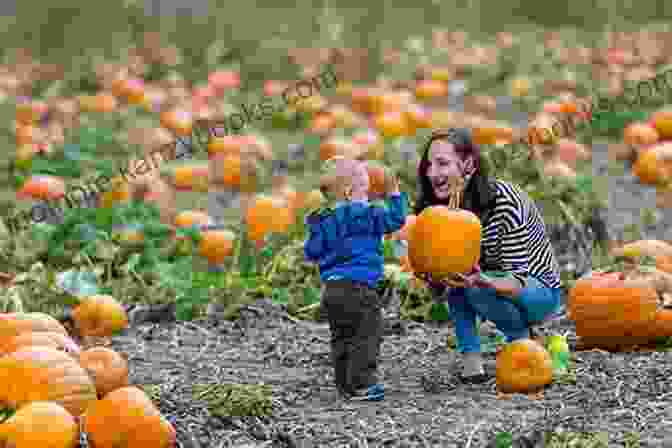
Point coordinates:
[(360, 179)]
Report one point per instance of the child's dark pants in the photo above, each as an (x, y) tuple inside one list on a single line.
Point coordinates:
[(355, 318)]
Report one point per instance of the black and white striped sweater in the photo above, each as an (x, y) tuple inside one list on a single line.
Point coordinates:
[(515, 240)]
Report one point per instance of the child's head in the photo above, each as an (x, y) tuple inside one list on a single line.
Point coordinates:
[(344, 178)]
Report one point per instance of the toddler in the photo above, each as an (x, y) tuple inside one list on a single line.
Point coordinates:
[(345, 240)]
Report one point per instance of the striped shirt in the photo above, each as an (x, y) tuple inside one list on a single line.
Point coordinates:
[(514, 238)]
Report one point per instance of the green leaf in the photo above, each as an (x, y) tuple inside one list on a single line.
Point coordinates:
[(439, 312), (504, 440)]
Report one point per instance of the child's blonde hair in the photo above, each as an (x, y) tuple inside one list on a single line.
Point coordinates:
[(336, 176)]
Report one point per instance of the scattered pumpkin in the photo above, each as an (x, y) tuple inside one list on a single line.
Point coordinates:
[(178, 121), (191, 218), (42, 187), (40, 423), (266, 215), (430, 88), (394, 124), (216, 245), (99, 316), (25, 134), (225, 145), (523, 366), (662, 122), (640, 135), (654, 164), (433, 250), (45, 374), (137, 422), (58, 341), (107, 368), (190, 176)]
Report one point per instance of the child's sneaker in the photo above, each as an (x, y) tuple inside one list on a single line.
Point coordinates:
[(375, 392)]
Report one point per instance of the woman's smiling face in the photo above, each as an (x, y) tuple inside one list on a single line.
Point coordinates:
[(445, 165)]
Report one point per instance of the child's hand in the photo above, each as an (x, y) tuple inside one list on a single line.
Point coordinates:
[(391, 183)]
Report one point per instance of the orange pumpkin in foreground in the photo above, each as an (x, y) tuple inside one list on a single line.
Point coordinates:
[(444, 241), (45, 374), (136, 421), (40, 423), (99, 316), (523, 366), (107, 368)]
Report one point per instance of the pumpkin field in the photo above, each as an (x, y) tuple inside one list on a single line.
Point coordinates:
[(162, 297)]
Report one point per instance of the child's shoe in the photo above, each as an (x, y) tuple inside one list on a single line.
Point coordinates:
[(375, 392)]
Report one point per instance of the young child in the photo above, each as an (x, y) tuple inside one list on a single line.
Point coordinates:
[(346, 242)]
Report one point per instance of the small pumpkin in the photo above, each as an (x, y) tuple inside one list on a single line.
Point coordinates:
[(216, 245), (99, 316), (433, 250), (42, 187), (662, 122), (523, 366), (654, 164), (394, 124), (640, 135), (189, 176), (267, 214), (107, 368), (190, 218), (58, 341), (40, 423), (45, 374), (137, 422), (431, 88)]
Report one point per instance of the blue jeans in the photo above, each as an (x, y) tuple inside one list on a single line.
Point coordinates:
[(511, 316)]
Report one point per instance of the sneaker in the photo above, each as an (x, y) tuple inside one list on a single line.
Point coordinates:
[(375, 392), (479, 378)]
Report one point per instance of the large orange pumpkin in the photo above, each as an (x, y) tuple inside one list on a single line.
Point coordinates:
[(40, 423), (99, 316), (107, 368), (609, 308), (523, 366), (45, 374), (136, 420), (444, 241), (58, 341)]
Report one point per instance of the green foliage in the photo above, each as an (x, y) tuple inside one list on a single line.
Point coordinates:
[(236, 400)]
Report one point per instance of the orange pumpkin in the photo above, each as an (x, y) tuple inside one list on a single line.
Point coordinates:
[(45, 374), (226, 145), (25, 134), (178, 121), (27, 113), (14, 324), (234, 171), (107, 368), (394, 124), (444, 241), (430, 88), (523, 366), (99, 316), (40, 423), (654, 164), (190, 218), (266, 215), (322, 124), (640, 134), (190, 176), (58, 341), (137, 422), (662, 121), (492, 135), (134, 91), (42, 187), (606, 308), (216, 245), (104, 103), (418, 116)]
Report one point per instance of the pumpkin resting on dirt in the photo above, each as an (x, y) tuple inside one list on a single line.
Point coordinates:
[(523, 366), (99, 316), (137, 422), (612, 312), (444, 241), (41, 423), (58, 341), (107, 368), (216, 245), (45, 374)]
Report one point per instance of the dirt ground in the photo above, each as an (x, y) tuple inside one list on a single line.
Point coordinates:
[(618, 393)]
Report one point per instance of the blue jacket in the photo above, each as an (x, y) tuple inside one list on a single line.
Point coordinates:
[(347, 241)]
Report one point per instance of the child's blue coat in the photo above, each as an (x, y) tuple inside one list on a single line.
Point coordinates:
[(346, 241)]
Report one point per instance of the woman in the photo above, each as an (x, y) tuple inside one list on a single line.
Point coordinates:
[(523, 285)]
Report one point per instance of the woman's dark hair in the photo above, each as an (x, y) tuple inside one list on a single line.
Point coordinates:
[(478, 193)]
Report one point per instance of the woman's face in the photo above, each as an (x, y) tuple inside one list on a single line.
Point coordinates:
[(446, 165)]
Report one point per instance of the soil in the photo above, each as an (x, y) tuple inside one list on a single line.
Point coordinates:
[(424, 403)]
